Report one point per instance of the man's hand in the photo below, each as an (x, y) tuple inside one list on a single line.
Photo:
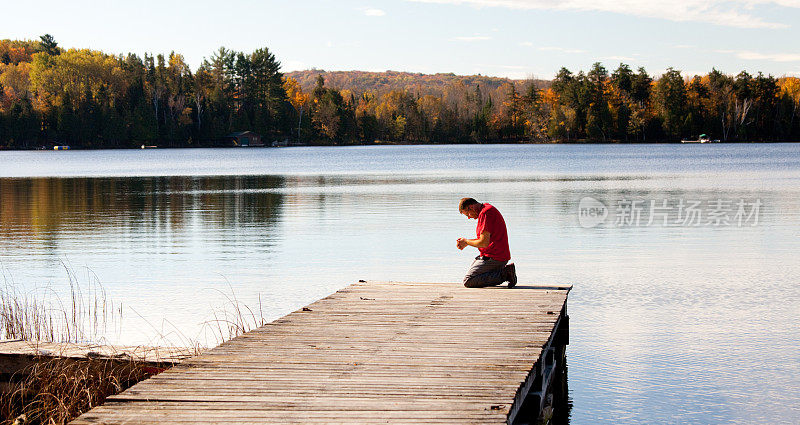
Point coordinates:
[(481, 242)]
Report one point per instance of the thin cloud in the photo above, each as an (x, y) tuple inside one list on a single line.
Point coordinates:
[(758, 56), (374, 12), (503, 67), (515, 75), (774, 57), (619, 58), (472, 38), (731, 13), (560, 49), (551, 48), (293, 65)]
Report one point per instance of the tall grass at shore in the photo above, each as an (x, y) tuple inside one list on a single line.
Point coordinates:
[(42, 315), (234, 318), (228, 320), (55, 390)]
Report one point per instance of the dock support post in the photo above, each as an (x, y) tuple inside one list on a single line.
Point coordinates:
[(533, 402)]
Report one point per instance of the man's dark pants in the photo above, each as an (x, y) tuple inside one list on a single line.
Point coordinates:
[(484, 272)]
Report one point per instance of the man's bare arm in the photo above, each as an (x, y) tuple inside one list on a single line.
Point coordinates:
[(481, 242)]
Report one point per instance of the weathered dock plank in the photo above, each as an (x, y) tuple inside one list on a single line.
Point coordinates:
[(16, 347), (374, 352)]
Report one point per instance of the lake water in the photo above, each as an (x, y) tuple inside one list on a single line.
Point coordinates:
[(685, 304)]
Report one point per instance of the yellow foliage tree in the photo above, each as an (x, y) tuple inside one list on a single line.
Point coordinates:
[(790, 86), (76, 73), (297, 98), (15, 80)]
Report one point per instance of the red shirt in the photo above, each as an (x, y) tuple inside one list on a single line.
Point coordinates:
[(490, 220)]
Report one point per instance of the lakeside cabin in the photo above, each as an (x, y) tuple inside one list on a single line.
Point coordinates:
[(243, 138)]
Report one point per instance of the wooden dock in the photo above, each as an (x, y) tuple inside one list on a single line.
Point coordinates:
[(373, 352)]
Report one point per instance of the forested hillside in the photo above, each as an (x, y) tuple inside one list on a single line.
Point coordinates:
[(86, 98), (382, 82)]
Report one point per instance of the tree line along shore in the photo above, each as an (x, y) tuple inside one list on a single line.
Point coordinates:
[(90, 99)]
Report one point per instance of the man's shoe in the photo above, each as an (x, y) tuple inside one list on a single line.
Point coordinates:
[(511, 274)]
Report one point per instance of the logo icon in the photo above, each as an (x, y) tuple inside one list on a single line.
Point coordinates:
[(591, 212)]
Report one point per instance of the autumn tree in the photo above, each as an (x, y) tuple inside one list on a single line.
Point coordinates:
[(508, 121), (221, 99), (366, 120), (765, 92), (670, 98), (790, 102), (480, 119), (621, 100), (598, 119), (542, 114), (202, 86), (577, 92), (298, 99), (326, 111)]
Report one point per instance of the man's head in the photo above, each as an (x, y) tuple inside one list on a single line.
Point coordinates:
[(469, 207)]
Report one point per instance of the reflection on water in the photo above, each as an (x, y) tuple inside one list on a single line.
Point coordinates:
[(669, 324), (43, 205), (133, 233)]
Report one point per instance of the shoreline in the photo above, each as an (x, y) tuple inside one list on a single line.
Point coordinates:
[(386, 143)]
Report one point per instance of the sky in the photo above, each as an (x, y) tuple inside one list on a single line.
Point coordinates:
[(506, 38)]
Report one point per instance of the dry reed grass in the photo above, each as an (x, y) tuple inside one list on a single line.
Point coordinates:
[(57, 390), (54, 390), (41, 314), (234, 318)]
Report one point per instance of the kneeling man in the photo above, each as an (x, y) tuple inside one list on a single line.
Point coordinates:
[(491, 267)]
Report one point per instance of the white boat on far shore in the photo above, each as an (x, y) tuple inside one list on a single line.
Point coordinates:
[(702, 139)]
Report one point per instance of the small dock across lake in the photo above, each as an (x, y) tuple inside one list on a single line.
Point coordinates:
[(373, 352)]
